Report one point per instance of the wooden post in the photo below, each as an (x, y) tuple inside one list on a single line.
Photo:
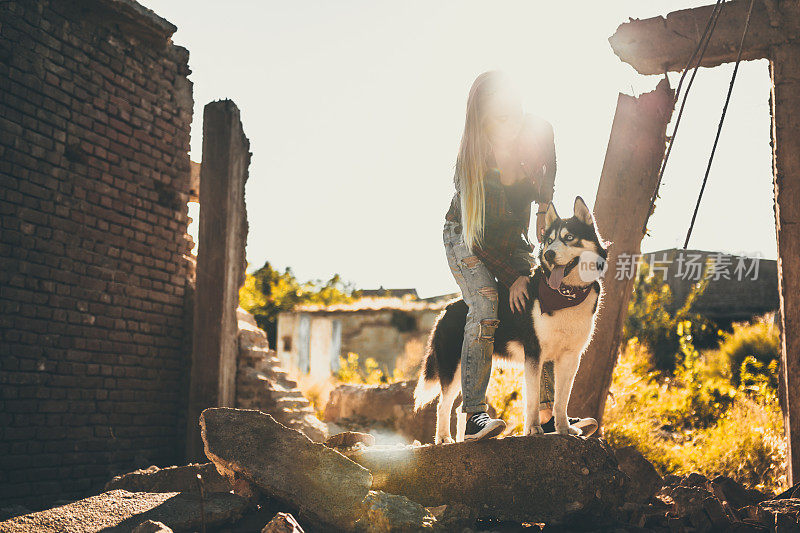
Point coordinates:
[(785, 72), (627, 182), (220, 266)]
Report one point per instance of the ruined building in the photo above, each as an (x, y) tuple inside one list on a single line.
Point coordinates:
[(95, 113)]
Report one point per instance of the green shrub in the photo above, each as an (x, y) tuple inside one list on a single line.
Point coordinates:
[(368, 373), (650, 321), (695, 420), (753, 347)]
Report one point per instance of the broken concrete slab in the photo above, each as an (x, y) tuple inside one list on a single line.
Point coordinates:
[(545, 478), (171, 479), (120, 511), (384, 513), (325, 487)]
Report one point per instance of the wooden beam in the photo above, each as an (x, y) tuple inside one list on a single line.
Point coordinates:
[(657, 45), (627, 182), (785, 73)]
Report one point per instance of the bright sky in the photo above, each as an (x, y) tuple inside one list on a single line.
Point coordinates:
[(355, 109)]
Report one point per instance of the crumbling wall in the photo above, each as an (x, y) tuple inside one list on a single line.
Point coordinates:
[(95, 111)]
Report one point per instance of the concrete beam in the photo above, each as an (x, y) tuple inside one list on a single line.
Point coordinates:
[(660, 44), (221, 266), (630, 171), (785, 73)]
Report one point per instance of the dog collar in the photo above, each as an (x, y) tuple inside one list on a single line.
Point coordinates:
[(552, 300)]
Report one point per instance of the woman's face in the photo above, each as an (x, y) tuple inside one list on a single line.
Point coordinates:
[(503, 117)]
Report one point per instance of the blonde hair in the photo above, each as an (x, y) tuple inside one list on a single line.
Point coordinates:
[(471, 163)]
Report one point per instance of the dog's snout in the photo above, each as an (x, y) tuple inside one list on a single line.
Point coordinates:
[(550, 255)]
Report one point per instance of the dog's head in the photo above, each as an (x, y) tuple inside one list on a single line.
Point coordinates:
[(569, 243)]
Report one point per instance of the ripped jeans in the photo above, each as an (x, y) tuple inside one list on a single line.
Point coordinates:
[(479, 289)]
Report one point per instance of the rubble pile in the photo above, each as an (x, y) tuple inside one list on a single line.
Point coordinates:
[(266, 477)]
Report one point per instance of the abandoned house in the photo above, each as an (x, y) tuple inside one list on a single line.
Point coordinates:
[(311, 338), (739, 287)]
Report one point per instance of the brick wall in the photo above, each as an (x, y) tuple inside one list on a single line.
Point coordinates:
[(95, 110)]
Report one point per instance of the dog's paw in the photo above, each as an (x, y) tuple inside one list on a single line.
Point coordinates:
[(443, 440), (534, 430), (568, 430)]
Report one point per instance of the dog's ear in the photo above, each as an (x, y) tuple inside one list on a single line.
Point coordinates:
[(582, 212), (550, 216)]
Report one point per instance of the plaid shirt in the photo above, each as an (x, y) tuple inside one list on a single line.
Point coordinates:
[(505, 231)]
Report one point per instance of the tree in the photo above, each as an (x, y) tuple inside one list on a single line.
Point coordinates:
[(266, 292)]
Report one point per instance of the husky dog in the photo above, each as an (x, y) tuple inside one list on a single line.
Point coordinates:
[(556, 325)]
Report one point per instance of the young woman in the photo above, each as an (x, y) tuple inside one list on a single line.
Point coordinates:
[(506, 161)]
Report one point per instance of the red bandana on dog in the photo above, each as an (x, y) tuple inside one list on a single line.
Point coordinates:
[(552, 300)]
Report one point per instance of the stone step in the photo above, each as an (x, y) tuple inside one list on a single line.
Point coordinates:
[(292, 403), (259, 353), (294, 411), (287, 393)]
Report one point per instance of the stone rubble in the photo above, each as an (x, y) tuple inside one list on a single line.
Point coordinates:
[(350, 485), (261, 383)]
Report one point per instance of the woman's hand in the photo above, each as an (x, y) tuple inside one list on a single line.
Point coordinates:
[(518, 293), (540, 226)]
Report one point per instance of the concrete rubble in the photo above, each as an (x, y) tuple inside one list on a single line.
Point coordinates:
[(264, 476)]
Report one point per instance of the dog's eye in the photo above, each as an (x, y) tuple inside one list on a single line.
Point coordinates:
[(568, 237)]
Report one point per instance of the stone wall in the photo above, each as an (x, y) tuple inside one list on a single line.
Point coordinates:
[(95, 112)]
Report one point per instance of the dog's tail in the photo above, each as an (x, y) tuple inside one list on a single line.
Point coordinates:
[(428, 386)]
